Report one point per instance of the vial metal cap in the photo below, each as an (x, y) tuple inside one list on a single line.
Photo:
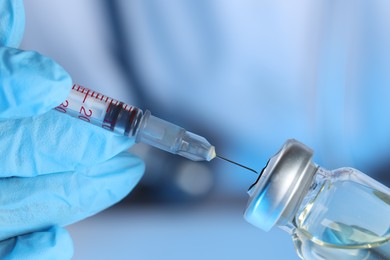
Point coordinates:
[(278, 191)]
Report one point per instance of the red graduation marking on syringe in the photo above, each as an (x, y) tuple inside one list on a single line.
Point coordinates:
[(108, 107), (86, 95)]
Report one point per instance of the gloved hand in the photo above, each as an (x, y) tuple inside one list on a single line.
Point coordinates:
[(54, 170)]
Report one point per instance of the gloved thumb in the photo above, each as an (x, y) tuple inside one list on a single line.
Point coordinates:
[(30, 83), (11, 22), (54, 243)]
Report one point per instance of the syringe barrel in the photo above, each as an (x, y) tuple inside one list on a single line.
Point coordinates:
[(127, 120), (100, 110)]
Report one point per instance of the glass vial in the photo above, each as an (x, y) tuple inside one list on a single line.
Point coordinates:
[(339, 214)]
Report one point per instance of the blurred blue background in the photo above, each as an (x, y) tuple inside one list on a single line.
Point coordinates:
[(247, 75)]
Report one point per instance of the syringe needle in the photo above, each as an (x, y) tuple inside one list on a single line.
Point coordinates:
[(238, 164)]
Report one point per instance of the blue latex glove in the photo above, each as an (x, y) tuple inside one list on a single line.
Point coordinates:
[(55, 170)]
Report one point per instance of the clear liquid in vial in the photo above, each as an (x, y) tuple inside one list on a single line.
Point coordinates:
[(344, 220)]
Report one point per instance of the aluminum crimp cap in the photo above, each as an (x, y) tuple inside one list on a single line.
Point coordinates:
[(277, 193)]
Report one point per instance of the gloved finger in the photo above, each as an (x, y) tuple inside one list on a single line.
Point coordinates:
[(52, 243), (30, 83), (31, 204), (11, 22), (54, 142)]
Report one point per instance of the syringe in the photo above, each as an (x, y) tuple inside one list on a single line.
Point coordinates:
[(118, 117)]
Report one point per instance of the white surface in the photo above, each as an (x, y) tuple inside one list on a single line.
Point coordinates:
[(163, 232)]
